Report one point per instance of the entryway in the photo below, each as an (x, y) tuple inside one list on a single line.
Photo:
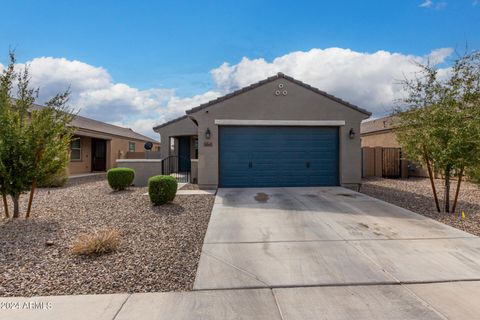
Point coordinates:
[(99, 154)]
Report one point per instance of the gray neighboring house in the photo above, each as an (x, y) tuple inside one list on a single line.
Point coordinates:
[(278, 132)]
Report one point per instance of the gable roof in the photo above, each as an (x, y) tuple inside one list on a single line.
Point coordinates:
[(169, 122), (273, 78), (102, 127)]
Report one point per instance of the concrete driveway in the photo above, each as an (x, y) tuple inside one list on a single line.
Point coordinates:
[(331, 253), (291, 237)]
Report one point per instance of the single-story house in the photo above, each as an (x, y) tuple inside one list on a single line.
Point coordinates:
[(97, 145), (377, 136), (378, 133), (274, 133)]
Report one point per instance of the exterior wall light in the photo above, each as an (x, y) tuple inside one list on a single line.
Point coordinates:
[(207, 134), (351, 133)]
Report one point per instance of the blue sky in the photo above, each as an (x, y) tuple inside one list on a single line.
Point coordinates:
[(174, 47)]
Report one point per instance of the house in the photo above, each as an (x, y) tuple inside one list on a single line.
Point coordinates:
[(381, 153), (97, 145), (378, 133), (278, 132)]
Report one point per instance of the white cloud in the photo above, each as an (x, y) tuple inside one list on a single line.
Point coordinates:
[(369, 80), (426, 4), (431, 4), (439, 56), (98, 96)]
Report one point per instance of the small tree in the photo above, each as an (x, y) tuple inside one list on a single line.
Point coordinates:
[(439, 122), (34, 142)]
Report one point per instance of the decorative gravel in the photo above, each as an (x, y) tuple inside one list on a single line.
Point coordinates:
[(159, 251), (416, 195)]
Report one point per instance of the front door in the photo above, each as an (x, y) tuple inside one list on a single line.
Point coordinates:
[(184, 154), (99, 155)]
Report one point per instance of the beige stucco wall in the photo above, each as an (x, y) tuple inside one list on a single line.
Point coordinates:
[(261, 103), (380, 139), (182, 127), (117, 148), (144, 169)]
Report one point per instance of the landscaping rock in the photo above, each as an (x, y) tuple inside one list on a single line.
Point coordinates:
[(159, 248), (415, 194)]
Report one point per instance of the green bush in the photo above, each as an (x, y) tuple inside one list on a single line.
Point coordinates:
[(120, 178), (162, 189)]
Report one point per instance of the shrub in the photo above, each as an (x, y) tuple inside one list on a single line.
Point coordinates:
[(98, 242), (120, 178), (162, 189)]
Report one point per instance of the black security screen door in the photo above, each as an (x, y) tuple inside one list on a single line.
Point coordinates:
[(99, 155), (184, 154)]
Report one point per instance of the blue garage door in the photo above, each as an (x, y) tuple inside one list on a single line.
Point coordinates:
[(278, 156)]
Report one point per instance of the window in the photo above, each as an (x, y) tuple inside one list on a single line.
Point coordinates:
[(76, 150), (131, 146)]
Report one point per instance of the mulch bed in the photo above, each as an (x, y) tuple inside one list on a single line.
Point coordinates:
[(416, 195), (159, 250)]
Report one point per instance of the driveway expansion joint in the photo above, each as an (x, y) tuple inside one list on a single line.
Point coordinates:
[(121, 306)]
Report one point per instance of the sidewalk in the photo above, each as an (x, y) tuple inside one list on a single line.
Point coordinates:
[(453, 300)]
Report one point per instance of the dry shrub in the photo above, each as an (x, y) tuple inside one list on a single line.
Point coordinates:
[(96, 243)]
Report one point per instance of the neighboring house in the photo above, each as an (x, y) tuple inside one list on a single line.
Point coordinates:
[(381, 152), (275, 133), (378, 133), (97, 145)]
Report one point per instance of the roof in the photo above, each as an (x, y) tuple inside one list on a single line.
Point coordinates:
[(377, 125), (169, 122), (102, 127), (273, 78)]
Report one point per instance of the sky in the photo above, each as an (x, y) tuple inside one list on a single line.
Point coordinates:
[(141, 63)]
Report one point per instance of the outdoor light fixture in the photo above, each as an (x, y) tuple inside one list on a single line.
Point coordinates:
[(207, 134), (351, 134)]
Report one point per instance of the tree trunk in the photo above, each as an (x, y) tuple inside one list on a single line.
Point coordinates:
[(16, 206), (432, 182), (447, 190), (460, 177), (5, 205), (30, 199)]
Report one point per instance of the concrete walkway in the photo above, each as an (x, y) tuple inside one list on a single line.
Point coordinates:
[(303, 253), (453, 300)]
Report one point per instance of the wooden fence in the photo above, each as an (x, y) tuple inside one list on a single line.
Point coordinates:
[(383, 162)]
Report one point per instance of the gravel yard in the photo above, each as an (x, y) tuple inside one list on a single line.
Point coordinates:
[(415, 194), (159, 250)]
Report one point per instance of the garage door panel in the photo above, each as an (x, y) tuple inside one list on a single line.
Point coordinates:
[(278, 156)]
